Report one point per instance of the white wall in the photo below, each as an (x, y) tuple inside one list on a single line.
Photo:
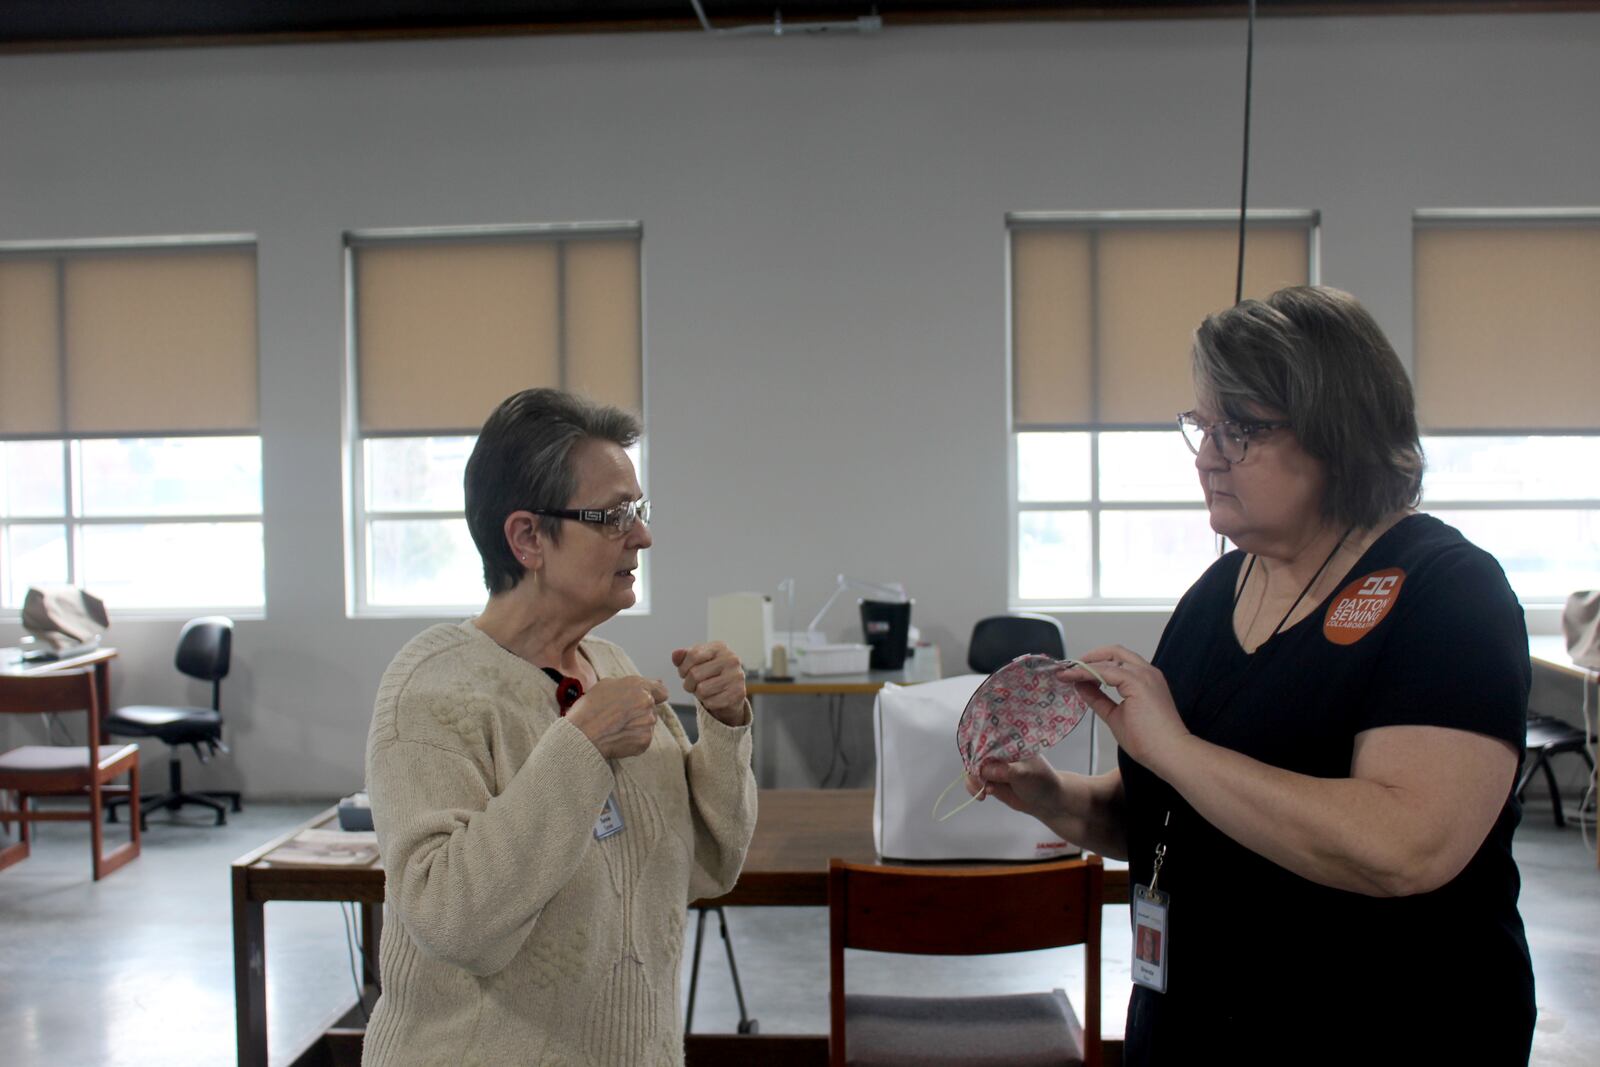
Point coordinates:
[(824, 255)]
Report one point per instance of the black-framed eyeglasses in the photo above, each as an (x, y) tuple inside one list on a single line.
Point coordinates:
[(1231, 439), (620, 518)]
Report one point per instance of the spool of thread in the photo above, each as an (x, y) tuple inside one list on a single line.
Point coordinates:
[(780, 661)]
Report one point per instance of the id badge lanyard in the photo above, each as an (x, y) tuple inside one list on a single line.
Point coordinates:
[(1150, 927), (1151, 908)]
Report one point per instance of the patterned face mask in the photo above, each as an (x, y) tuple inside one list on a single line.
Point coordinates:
[(1020, 710)]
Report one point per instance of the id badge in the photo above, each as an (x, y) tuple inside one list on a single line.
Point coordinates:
[(610, 820), (1149, 963)]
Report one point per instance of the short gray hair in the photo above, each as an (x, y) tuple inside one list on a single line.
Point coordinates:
[(1317, 357), (523, 460)]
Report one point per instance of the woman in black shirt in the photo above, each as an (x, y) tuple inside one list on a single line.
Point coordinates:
[(1322, 750)]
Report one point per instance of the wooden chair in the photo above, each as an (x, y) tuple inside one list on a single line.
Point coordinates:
[(64, 770), (964, 912)]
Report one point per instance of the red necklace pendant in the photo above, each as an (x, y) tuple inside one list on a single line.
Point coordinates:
[(568, 690), (567, 693)]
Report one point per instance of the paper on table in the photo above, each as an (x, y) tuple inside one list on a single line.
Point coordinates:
[(328, 848)]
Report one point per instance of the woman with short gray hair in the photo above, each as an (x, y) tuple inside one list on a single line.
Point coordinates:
[(543, 819), (1314, 785)]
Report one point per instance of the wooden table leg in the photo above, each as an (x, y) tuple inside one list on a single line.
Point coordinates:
[(371, 938), (249, 974), (102, 689)]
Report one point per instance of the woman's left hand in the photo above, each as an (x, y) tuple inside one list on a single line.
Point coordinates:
[(712, 674), (1145, 723)]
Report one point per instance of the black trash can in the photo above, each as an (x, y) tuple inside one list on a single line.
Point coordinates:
[(886, 624)]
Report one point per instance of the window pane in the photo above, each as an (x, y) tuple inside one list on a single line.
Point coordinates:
[(427, 562), (1150, 465), (31, 476), (173, 564), (1153, 553), (30, 555), (1052, 466), (416, 473), (1546, 553), (1512, 468), (172, 476), (1053, 553)]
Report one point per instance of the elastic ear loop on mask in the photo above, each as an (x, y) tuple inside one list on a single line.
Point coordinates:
[(963, 775)]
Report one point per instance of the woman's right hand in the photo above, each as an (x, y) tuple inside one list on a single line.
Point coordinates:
[(618, 715), (1030, 786)]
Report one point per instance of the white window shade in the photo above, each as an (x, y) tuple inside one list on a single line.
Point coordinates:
[(1508, 326), (1103, 317), (30, 348), (129, 342), (446, 329)]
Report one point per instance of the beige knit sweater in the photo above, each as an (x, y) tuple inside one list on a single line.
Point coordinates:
[(512, 936)]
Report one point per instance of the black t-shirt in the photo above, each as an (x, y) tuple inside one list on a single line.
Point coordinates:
[(1265, 966)]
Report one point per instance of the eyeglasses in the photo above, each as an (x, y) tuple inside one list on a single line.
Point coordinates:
[(620, 518), (1231, 439)]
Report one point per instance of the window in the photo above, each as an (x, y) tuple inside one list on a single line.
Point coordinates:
[(130, 460), (1507, 366), (445, 324), (1106, 506)]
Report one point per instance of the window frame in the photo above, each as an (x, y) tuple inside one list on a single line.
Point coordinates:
[(1502, 218), (1095, 504), (358, 517), (72, 517)]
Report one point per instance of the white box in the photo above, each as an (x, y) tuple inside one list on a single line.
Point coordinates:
[(743, 622), (832, 659)]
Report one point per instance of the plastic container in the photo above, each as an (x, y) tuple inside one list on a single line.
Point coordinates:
[(886, 624), (832, 659)]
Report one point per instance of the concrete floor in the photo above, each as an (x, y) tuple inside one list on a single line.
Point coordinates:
[(137, 969)]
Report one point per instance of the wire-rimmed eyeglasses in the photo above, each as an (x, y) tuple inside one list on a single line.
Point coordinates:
[(1231, 439), (620, 518)]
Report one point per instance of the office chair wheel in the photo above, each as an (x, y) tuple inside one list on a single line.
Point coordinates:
[(750, 1026)]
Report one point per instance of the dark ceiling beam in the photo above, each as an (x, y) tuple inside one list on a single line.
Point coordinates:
[(52, 26)]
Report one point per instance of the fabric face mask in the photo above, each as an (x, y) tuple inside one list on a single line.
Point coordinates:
[(1020, 710)]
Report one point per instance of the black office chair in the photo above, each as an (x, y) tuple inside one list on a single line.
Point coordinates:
[(205, 648), (999, 639), (1547, 737)]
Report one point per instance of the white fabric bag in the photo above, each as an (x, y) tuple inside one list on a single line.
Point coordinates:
[(915, 728), (1580, 624)]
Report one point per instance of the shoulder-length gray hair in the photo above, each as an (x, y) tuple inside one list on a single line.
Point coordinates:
[(523, 459), (1316, 357)]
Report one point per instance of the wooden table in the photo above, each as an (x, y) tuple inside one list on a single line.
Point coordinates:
[(255, 882), (797, 832)]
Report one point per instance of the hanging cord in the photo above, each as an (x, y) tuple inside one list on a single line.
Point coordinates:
[(1244, 166), (352, 942), (1584, 818)]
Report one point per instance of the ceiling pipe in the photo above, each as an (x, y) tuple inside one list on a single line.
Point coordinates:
[(864, 24)]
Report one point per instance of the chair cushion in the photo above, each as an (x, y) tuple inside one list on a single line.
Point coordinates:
[(1026, 1030), (1553, 734), (175, 726), (47, 759)]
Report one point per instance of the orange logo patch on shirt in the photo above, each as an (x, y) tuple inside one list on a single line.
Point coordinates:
[(1361, 605)]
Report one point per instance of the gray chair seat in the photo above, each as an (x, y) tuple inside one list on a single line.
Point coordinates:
[(1025, 1030), (175, 726), (52, 759)]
